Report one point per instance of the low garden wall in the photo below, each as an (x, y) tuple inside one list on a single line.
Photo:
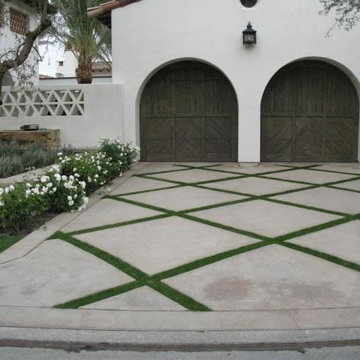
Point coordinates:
[(83, 113)]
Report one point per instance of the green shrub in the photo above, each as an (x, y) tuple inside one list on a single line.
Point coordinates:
[(19, 203), (65, 185), (16, 159), (125, 154)]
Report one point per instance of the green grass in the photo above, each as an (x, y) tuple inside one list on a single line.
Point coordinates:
[(155, 281), (8, 240)]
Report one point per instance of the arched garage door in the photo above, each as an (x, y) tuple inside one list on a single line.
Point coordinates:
[(309, 112), (188, 112)]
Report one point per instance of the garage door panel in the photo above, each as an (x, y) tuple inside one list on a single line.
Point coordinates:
[(309, 135), (158, 143), (321, 109), (200, 106), (308, 88), (188, 138), (340, 139), (277, 139)]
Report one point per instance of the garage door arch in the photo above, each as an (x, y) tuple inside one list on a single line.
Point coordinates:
[(310, 113), (188, 112)]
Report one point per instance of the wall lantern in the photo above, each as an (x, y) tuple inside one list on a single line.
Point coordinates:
[(249, 35)]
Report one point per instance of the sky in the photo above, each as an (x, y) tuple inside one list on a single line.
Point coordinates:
[(50, 54)]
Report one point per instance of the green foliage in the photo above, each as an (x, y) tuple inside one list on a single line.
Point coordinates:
[(87, 38), (347, 12), (8, 240), (16, 159), (64, 186), (118, 152), (18, 205)]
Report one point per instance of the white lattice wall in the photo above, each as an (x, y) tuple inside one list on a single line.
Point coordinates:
[(40, 102)]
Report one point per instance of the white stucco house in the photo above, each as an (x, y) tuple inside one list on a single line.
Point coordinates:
[(17, 17), (191, 90), (185, 86)]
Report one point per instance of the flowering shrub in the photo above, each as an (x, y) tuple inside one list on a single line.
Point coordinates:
[(19, 203), (124, 154), (95, 169), (66, 193), (65, 185)]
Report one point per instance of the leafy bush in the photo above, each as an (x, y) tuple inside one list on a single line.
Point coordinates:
[(19, 203), (125, 154), (16, 159), (65, 185)]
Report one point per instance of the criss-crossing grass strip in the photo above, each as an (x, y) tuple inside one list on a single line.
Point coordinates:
[(101, 295), (263, 176), (8, 240), (341, 188), (301, 206), (154, 281), (209, 260), (138, 203), (183, 183), (322, 255), (128, 269), (162, 172), (225, 227), (182, 299), (260, 173), (105, 256), (116, 225), (336, 171), (150, 190), (213, 206), (257, 196), (316, 228)]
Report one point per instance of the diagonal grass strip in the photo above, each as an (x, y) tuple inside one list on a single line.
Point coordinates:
[(322, 255), (100, 295), (182, 299), (103, 255), (120, 224)]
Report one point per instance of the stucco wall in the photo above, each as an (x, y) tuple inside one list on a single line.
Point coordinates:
[(102, 116), (152, 33)]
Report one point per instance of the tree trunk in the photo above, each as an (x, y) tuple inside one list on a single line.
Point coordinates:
[(84, 73)]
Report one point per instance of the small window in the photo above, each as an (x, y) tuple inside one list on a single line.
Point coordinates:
[(248, 3), (61, 63), (19, 22)]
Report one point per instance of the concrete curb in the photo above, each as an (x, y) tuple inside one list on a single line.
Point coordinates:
[(75, 341), (110, 320)]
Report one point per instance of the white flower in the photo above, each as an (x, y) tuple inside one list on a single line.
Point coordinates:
[(6, 190), (69, 197), (1, 191), (59, 153), (71, 202), (44, 179), (57, 177), (63, 177), (96, 175), (49, 185)]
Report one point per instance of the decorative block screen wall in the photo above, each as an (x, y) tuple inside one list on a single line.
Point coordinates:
[(42, 103), (19, 22)]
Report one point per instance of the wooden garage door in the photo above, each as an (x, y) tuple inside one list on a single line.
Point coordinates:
[(310, 112), (188, 112)]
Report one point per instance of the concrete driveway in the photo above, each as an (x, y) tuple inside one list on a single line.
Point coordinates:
[(198, 247)]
